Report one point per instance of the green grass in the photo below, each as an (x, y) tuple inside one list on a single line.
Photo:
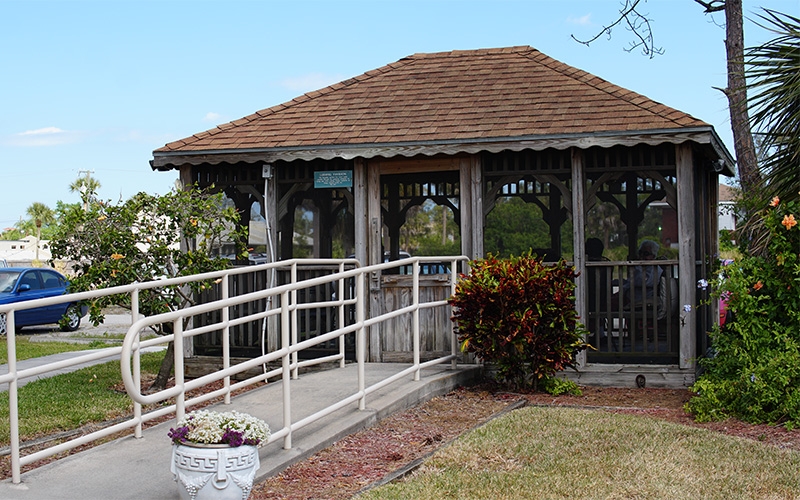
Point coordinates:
[(68, 401), (559, 453), (27, 349)]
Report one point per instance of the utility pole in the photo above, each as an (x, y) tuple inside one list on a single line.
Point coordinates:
[(84, 186)]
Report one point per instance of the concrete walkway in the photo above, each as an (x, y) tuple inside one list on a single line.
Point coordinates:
[(113, 324), (130, 468)]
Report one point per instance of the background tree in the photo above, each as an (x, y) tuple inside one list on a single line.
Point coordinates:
[(514, 227), (23, 227), (145, 238), (11, 233), (736, 91), (430, 229), (86, 187), (41, 215), (774, 73)]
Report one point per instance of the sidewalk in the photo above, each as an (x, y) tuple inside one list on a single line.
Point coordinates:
[(113, 324), (130, 468)]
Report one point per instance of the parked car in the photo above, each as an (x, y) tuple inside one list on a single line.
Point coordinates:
[(424, 267), (19, 284)]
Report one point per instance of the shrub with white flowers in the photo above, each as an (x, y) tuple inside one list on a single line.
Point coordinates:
[(211, 427)]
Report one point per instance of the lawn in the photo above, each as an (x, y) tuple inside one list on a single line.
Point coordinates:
[(560, 453), (71, 400), (27, 349)]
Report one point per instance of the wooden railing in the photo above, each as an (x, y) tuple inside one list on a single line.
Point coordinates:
[(632, 311)]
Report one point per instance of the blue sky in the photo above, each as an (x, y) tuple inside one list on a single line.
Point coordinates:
[(98, 85)]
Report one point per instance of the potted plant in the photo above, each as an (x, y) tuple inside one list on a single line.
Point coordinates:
[(215, 454)]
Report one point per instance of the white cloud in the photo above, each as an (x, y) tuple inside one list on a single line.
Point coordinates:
[(580, 21), (212, 117), (47, 136), (43, 131), (311, 81)]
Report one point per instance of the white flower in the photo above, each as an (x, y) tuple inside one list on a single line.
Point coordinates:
[(210, 427)]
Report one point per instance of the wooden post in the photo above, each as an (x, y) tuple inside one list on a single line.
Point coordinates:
[(686, 255), (361, 223), (360, 197), (713, 236), (374, 256), (476, 187), (271, 216), (578, 240), (466, 202)]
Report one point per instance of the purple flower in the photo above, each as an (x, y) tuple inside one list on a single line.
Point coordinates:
[(232, 438), (178, 435)]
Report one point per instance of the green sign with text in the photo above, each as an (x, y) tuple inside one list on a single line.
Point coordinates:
[(333, 179)]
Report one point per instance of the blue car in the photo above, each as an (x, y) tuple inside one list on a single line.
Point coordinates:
[(19, 284)]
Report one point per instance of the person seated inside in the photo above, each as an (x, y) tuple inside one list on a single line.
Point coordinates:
[(641, 288)]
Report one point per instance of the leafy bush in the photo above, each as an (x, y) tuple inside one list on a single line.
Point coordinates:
[(520, 315), (558, 386), (754, 373)]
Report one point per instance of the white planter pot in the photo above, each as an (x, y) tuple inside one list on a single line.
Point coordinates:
[(216, 472)]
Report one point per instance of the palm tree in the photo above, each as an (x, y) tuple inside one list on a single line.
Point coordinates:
[(87, 186), (774, 71), (41, 214)]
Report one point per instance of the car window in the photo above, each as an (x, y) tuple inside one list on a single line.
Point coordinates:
[(52, 280), (7, 280), (31, 278)]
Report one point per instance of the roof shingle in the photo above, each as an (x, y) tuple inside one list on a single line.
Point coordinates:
[(457, 95)]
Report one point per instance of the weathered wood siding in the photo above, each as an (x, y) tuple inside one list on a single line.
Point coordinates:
[(396, 341)]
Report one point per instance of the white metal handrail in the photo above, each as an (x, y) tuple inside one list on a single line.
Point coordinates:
[(133, 345)]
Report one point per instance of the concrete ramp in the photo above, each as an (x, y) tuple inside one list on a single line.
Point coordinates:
[(130, 468)]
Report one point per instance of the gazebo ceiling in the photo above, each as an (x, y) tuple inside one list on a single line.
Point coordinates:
[(449, 102)]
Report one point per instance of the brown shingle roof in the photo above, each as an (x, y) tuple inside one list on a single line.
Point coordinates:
[(459, 95)]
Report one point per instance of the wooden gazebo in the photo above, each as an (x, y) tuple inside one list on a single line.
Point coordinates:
[(470, 130)]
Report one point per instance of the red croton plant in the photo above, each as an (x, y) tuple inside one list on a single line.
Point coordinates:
[(519, 314)]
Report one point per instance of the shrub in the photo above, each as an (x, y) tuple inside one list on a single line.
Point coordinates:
[(558, 386), (754, 373), (520, 315)]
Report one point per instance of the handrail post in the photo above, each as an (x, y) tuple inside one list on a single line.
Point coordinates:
[(285, 372), (293, 273), (226, 340), (415, 317), (453, 336), (177, 347), (13, 398), (137, 365), (341, 316), (361, 341)]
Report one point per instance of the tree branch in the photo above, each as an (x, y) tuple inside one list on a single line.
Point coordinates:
[(637, 23), (712, 6)]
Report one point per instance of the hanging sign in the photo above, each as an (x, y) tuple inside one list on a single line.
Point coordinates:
[(332, 179)]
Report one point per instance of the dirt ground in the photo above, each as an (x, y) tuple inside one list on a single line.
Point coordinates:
[(397, 443)]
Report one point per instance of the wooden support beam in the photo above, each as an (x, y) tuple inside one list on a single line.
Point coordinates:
[(578, 239), (466, 202), (478, 219), (686, 255), (270, 208), (374, 256)]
